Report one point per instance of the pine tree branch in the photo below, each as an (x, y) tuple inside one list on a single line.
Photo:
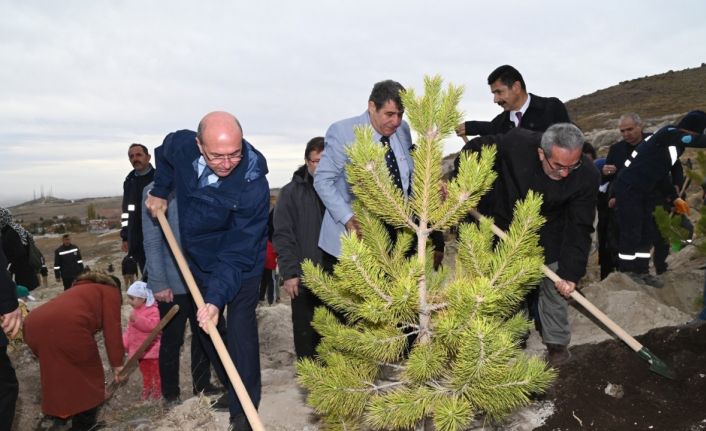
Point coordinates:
[(475, 178), (372, 183), (424, 313), (371, 283), (437, 307), (380, 388), (387, 192), (396, 367)]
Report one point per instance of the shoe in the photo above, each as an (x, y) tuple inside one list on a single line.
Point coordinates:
[(645, 278), (210, 390), (653, 281), (557, 354), (170, 402), (99, 425), (51, 423), (239, 423), (86, 421), (221, 404)]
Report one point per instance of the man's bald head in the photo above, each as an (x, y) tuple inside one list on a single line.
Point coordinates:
[(218, 122), (220, 139)]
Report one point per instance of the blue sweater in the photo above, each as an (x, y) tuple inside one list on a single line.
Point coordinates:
[(161, 265), (223, 229)]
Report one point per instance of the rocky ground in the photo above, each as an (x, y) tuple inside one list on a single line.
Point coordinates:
[(605, 385)]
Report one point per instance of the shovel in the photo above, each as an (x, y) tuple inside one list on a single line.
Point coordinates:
[(233, 375), (656, 364)]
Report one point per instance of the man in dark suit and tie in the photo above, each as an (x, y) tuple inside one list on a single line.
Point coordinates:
[(520, 109)]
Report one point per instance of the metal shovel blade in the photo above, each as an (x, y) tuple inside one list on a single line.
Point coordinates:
[(656, 364)]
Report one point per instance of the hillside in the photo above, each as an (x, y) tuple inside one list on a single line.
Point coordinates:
[(44, 209), (654, 97)]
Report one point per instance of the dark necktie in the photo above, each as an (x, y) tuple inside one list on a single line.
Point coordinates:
[(391, 162), (519, 118)]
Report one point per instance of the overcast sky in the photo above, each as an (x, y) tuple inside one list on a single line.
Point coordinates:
[(81, 80)]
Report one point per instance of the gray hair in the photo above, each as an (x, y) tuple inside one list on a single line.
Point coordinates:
[(631, 116), (562, 135)]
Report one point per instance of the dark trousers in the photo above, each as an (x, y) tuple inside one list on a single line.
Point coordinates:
[(242, 343), (68, 281), (268, 286), (139, 256), (328, 261), (637, 228), (170, 347), (607, 232), (8, 391), (661, 250), (305, 336)]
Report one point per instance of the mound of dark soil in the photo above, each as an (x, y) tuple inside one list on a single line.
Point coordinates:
[(607, 386)]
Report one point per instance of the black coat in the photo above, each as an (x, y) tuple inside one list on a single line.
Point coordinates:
[(622, 151), (297, 221), (569, 204), (68, 263), (8, 294), (18, 256), (650, 168), (132, 212), (541, 113)]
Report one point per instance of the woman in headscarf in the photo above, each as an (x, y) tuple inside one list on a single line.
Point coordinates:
[(15, 244), (62, 335)]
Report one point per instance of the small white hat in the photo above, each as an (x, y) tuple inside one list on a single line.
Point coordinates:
[(139, 289)]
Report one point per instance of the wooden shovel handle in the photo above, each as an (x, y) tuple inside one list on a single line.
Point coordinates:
[(233, 375), (132, 362), (575, 295)]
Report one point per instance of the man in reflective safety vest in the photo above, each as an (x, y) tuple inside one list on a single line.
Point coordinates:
[(644, 175), (68, 263), (135, 182)]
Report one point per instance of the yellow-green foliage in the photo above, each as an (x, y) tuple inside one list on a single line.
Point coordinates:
[(420, 344)]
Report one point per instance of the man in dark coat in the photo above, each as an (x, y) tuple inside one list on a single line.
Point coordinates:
[(520, 109), (224, 198), (644, 176), (551, 164), (631, 128), (297, 218), (135, 182), (68, 263), (11, 322)]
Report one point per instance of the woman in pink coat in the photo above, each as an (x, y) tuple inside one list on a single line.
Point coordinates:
[(143, 319)]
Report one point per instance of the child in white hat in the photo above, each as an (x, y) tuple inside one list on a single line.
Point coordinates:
[(143, 319)]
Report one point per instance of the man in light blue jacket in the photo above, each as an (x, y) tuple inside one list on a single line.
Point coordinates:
[(384, 114)]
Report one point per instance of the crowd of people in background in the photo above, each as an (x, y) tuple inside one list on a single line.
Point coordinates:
[(211, 185)]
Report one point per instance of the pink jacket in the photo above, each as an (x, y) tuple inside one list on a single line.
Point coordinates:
[(142, 321)]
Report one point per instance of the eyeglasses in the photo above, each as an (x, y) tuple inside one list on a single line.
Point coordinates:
[(220, 158), (567, 169)]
